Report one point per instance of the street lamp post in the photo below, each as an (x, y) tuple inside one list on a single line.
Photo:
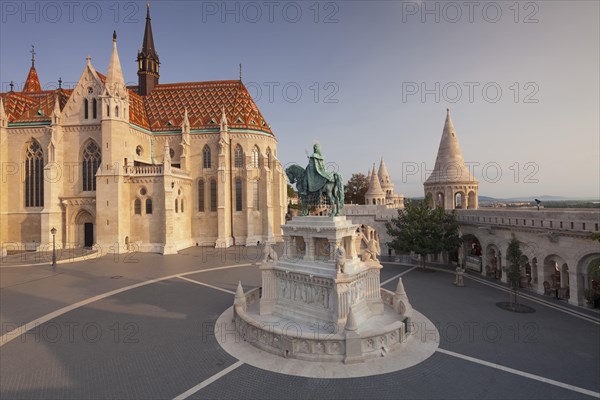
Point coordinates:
[(53, 232)]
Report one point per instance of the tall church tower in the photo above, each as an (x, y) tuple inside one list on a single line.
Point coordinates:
[(451, 184), (148, 62)]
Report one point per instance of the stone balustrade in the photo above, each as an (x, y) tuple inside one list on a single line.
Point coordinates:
[(581, 221)]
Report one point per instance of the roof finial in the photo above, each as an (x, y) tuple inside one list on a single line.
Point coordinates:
[(59, 82), (147, 10), (89, 59), (240, 71), (114, 36), (12, 86), (32, 56)]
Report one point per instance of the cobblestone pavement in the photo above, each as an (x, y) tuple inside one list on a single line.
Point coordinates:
[(155, 340)]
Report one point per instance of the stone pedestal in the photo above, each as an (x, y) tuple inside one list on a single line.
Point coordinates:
[(319, 301)]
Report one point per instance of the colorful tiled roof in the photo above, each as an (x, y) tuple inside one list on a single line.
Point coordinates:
[(33, 107), (204, 101), (162, 109), (32, 84)]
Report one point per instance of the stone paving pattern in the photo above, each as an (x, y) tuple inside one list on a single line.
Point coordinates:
[(156, 341)]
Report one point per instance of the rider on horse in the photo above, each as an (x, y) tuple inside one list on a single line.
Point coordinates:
[(317, 174)]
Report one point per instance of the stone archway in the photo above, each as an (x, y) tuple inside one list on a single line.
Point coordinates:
[(473, 252), (493, 261), (459, 200), (556, 273), (84, 229), (587, 276)]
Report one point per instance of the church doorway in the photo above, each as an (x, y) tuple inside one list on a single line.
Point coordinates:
[(88, 234)]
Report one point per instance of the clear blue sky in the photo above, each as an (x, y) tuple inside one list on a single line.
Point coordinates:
[(366, 57)]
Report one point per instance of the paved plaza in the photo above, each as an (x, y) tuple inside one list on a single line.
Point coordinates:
[(143, 326)]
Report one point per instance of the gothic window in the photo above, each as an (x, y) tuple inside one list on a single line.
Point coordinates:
[(148, 206), (181, 205), (255, 194), (254, 157), (213, 195), (94, 109), (238, 194), (91, 162), (176, 205), (107, 110), (34, 175), (239, 157), (137, 206), (201, 195), (268, 158), (86, 109), (117, 112), (206, 161)]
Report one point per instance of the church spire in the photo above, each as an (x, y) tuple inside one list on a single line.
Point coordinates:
[(115, 83), (148, 62), (32, 83)]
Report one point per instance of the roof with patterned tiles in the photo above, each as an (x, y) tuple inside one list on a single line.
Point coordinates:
[(33, 107), (162, 110), (165, 105)]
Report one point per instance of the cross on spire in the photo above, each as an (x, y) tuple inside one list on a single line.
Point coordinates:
[(60, 83), (32, 56)]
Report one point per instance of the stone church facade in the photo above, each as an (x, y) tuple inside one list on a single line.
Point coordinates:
[(154, 167)]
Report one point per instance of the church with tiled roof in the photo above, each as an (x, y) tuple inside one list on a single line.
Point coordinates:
[(156, 167)]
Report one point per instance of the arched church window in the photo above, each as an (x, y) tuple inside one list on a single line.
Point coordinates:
[(268, 158), (206, 157), (254, 157), (239, 157), (181, 205), (148, 206), (116, 111), (176, 205), (107, 110), (137, 207), (94, 109), (238, 194), (34, 175), (91, 162), (86, 109), (201, 195), (213, 195)]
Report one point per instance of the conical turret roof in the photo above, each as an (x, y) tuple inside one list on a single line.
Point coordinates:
[(375, 189), (384, 176), (449, 164)]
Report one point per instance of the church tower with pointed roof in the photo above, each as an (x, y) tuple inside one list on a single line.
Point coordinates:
[(32, 83), (451, 185), (152, 168), (148, 62)]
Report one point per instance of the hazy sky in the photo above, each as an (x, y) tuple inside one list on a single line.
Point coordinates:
[(365, 79)]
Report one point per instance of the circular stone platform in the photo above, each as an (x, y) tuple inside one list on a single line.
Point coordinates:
[(420, 345)]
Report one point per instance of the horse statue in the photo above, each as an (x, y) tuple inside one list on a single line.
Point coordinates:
[(314, 181)]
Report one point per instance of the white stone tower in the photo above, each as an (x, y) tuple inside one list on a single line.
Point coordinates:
[(375, 195), (451, 184)]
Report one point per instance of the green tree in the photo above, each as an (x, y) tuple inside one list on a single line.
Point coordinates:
[(423, 230), (514, 257), (355, 189), (290, 191)]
